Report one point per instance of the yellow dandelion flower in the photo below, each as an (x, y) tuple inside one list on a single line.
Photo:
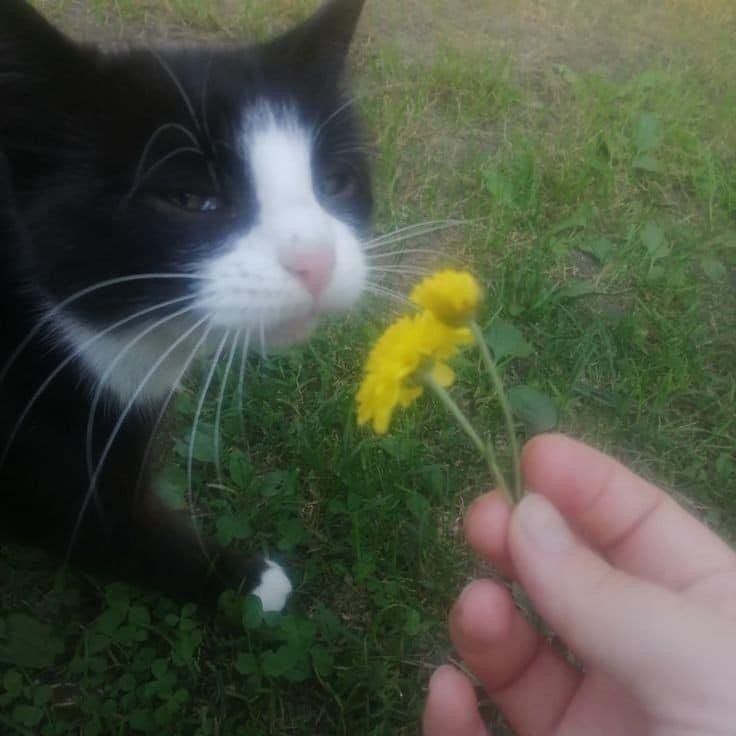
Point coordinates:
[(410, 347), (452, 296), (413, 352)]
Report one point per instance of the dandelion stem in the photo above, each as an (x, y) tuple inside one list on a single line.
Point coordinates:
[(516, 490), (485, 448)]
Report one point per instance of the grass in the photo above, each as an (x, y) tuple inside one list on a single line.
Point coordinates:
[(595, 164)]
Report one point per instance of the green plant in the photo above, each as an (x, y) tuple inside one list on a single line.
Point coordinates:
[(599, 198)]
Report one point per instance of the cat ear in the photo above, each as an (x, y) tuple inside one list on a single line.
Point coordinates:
[(46, 81), (321, 43), (33, 49)]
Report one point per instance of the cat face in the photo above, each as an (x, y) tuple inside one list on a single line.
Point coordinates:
[(176, 200), (299, 257)]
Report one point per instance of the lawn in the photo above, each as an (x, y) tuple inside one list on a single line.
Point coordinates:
[(589, 150)]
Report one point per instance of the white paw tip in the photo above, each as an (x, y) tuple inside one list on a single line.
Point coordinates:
[(274, 588)]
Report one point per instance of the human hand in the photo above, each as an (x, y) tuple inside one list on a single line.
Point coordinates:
[(638, 589)]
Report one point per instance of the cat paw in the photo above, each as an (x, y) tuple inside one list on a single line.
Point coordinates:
[(274, 588)]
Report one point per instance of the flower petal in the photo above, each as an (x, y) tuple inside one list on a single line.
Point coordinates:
[(452, 296), (416, 343), (443, 374)]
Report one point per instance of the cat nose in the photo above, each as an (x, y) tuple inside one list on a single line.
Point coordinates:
[(313, 266)]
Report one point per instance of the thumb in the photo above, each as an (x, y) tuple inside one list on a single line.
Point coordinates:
[(663, 649)]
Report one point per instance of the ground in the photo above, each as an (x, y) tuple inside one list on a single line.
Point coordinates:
[(589, 150)]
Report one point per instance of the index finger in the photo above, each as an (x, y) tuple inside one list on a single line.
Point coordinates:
[(640, 528)]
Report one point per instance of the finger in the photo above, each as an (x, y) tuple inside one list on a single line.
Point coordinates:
[(451, 708), (536, 689), (640, 634), (639, 527), (486, 529), (525, 678), (602, 706)]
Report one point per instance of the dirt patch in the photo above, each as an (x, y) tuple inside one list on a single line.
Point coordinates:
[(619, 35)]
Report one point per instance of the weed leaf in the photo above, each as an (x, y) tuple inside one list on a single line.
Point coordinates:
[(652, 238), (647, 162), (171, 485), (713, 269), (648, 133), (600, 249), (534, 409), (28, 643), (577, 288), (506, 341), (239, 469)]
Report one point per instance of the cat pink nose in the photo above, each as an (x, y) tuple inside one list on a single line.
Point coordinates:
[(313, 266)]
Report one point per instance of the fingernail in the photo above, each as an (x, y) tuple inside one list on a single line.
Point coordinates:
[(439, 673), (542, 524), (461, 604)]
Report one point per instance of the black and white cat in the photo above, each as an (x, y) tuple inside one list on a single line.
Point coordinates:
[(154, 204)]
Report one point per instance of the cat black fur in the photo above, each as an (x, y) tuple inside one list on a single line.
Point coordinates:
[(74, 121)]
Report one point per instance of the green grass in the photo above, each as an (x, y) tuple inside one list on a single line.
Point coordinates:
[(595, 165)]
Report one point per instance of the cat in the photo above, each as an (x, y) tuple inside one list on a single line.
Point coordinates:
[(156, 205)]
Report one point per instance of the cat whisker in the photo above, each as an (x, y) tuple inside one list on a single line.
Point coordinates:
[(165, 405), (192, 438), (58, 308), (414, 251), (354, 99), (241, 382), (152, 140), (206, 126), (377, 309), (91, 491), (205, 91), (262, 337), (101, 383), (201, 126), (412, 231), (220, 400), (390, 242), (73, 356), (379, 290), (406, 228), (347, 150), (161, 162), (400, 270), (227, 146), (179, 86), (375, 304), (323, 125)]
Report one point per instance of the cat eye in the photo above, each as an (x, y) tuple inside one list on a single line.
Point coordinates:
[(195, 203), (339, 184)]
